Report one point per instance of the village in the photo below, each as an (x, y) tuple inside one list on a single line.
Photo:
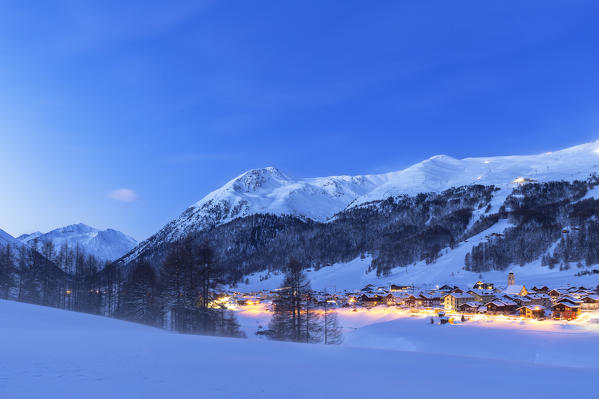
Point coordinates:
[(446, 302)]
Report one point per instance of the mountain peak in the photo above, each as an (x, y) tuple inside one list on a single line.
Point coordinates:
[(106, 244), (256, 179), (78, 227)]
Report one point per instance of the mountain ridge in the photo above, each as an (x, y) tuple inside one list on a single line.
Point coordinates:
[(106, 245), (270, 191)]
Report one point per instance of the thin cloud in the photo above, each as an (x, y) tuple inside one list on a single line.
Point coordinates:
[(123, 195)]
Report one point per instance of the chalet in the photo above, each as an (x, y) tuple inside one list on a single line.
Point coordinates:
[(455, 299), (457, 290), (569, 298), (352, 299), (429, 300), (517, 299), (483, 286), (565, 310), (399, 297), (388, 299), (504, 306), (544, 289), (514, 289), (540, 299), (590, 302), (469, 307), (446, 288), (578, 293), (403, 288), (532, 311), (483, 296), (412, 300), (556, 293), (370, 299), (574, 290)]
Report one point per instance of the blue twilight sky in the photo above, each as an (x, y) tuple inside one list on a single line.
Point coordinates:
[(167, 100)]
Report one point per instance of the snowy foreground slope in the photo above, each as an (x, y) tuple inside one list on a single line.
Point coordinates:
[(48, 353)]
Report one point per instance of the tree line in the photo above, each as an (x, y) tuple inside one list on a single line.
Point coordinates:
[(551, 221), (180, 294)]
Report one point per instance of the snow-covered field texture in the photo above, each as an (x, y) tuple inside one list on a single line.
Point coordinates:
[(49, 353)]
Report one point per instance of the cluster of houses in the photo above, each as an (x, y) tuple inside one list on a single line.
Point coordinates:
[(483, 298)]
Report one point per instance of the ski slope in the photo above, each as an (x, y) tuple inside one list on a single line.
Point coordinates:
[(447, 269), (49, 353)]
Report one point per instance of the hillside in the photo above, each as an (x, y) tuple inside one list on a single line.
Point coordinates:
[(260, 219)]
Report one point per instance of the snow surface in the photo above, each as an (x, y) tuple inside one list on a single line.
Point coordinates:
[(105, 245), (49, 353)]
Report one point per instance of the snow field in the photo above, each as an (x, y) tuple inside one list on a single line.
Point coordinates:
[(48, 353)]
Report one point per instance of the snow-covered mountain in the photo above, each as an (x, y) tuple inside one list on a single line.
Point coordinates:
[(271, 191), (442, 172), (105, 245), (7, 239)]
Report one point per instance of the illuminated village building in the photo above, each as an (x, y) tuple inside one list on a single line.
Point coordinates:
[(532, 311), (483, 286), (455, 299), (513, 301), (566, 310), (590, 302)]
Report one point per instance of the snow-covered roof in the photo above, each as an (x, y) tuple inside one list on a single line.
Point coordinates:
[(513, 289), (508, 302), (538, 296), (568, 298), (568, 303), (460, 295), (483, 292)]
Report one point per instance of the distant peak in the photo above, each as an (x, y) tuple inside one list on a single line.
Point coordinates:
[(34, 234), (77, 226)]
